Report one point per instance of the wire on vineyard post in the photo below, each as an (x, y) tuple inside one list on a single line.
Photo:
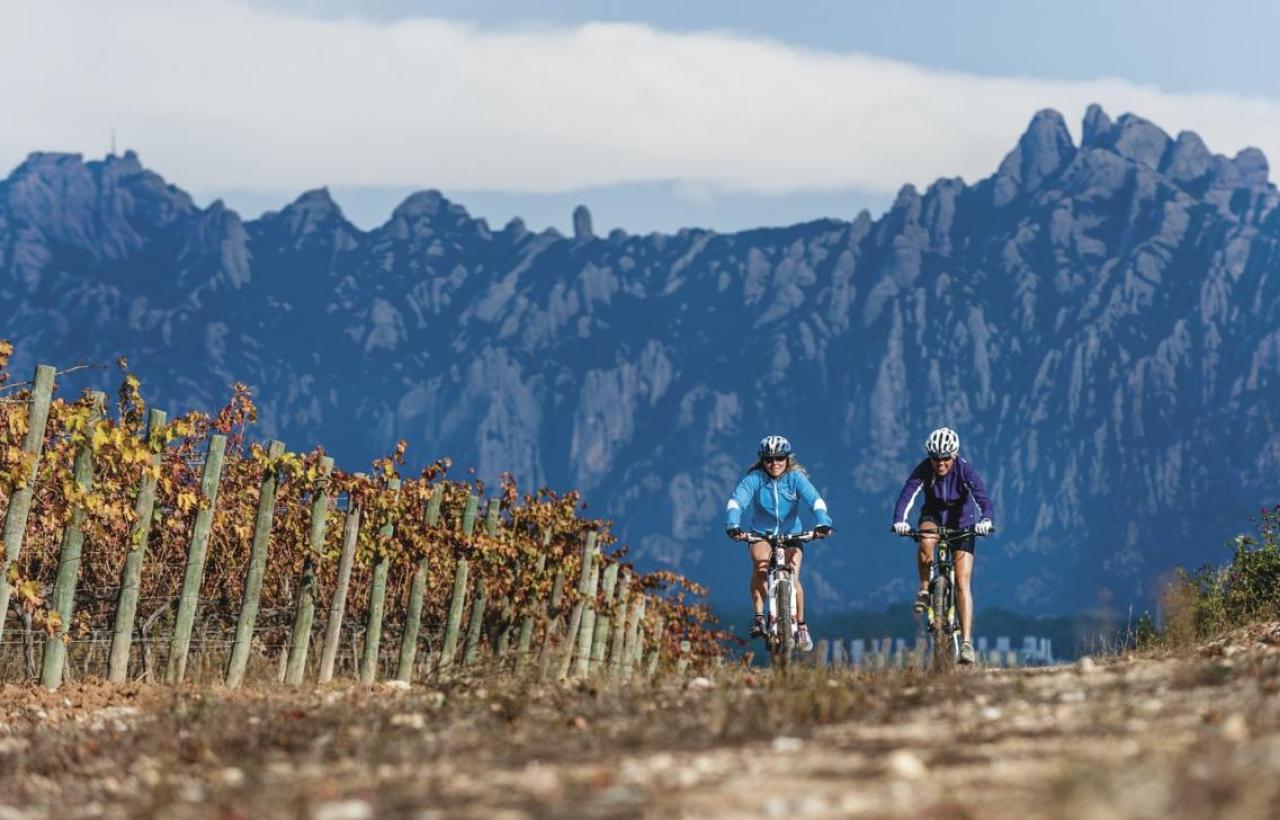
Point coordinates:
[(481, 599), (258, 550), (131, 572), (305, 614), (458, 601), (189, 599), (15, 516), (378, 593), (338, 603), (417, 589), (64, 588)]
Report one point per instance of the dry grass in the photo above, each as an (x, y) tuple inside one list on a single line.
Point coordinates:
[(1160, 737)]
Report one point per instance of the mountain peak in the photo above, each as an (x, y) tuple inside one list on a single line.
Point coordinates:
[(1096, 124), (1042, 151), (582, 229)]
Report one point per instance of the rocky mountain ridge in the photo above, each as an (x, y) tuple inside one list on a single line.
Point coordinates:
[(1098, 320)]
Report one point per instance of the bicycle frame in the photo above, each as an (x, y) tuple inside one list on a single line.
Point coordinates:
[(780, 636), (941, 611)]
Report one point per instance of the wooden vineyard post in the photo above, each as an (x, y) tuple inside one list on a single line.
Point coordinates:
[(64, 588), (248, 619), (189, 599), (476, 624), (600, 637), (633, 645), (338, 604), (617, 641), (585, 581), (551, 627), (459, 600), (377, 599), (305, 613), (413, 619), (131, 574), (15, 516)]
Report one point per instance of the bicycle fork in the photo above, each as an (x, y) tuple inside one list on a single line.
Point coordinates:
[(780, 575)]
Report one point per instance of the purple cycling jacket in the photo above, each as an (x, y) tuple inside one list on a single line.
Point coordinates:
[(949, 499)]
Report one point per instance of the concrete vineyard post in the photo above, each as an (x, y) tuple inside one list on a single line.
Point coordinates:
[(413, 619), (585, 574), (551, 626), (377, 599), (525, 641), (258, 549), (305, 612), (600, 637), (586, 630), (64, 588), (682, 663), (131, 574), (476, 625), (338, 603), (189, 598), (458, 601), (15, 516), (619, 620), (656, 654), (632, 648)]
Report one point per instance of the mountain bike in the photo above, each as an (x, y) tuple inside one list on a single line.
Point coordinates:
[(944, 629), (780, 634)]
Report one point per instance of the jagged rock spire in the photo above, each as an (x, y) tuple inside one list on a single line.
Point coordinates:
[(582, 223)]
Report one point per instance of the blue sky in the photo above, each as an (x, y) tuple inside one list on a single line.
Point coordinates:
[(655, 115)]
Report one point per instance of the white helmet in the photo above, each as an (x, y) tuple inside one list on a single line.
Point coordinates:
[(774, 446), (942, 442)]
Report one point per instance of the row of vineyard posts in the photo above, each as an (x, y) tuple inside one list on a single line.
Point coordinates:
[(115, 526)]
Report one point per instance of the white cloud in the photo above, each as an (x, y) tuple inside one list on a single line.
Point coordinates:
[(223, 95)]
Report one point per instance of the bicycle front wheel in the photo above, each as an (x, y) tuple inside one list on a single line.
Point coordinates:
[(944, 649), (784, 640)]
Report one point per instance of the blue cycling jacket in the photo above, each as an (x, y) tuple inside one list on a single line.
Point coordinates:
[(773, 504), (949, 499)]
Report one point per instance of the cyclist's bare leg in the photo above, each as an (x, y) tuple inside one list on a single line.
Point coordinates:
[(964, 597), (759, 573), (794, 559), (924, 557)]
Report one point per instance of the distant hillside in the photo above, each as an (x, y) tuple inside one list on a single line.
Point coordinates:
[(1100, 321)]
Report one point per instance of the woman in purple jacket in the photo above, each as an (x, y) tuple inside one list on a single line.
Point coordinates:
[(951, 489)]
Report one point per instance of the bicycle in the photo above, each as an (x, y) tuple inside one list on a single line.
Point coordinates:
[(780, 634), (944, 629)]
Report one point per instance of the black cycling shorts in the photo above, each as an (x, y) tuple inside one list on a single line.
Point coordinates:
[(965, 544)]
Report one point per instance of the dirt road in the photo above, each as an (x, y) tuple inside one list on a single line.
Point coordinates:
[(1158, 737)]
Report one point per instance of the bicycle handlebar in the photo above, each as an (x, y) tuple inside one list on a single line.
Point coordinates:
[(947, 532), (775, 540)]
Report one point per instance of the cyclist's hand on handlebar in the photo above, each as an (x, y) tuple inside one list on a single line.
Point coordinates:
[(983, 527), (821, 531), (735, 533), (901, 527)]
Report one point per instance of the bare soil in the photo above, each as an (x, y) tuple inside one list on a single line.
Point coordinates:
[(1191, 734)]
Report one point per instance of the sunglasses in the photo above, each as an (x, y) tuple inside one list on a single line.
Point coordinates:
[(773, 459), (940, 459)]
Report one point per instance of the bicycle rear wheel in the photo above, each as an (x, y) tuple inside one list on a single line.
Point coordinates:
[(783, 640)]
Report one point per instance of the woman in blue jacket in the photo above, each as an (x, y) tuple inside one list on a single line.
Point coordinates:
[(771, 491)]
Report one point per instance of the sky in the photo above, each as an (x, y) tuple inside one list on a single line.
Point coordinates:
[(656, 115)]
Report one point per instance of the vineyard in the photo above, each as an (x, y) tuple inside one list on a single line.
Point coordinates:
[(143, 547)]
